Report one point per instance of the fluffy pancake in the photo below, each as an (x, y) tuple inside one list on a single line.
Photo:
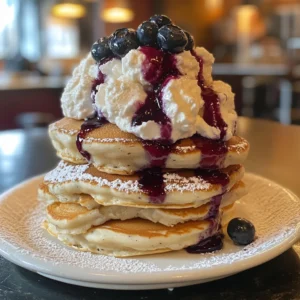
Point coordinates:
[(72, 218), (227, 214), (117, 152), (182, 188), (137, 237)]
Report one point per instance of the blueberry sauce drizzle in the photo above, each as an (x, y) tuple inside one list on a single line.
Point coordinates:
[(213, 152), (214, 177), (94, 122), (212, 113), (158, 151), (158, 69), (86, 127), (100, 78), (214, 242), (151, 181), (209, 244), (215, 206)]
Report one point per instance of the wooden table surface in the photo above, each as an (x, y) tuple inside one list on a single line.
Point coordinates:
[(275, 153)]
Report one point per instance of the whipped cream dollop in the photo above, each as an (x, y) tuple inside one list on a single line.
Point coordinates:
[(129, 86), (76, 99)]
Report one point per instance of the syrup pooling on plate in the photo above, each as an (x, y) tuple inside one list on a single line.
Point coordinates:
[(86, 127), (209, 244)]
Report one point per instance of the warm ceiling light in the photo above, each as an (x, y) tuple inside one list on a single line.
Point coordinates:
[(117, 15), (69, 10)]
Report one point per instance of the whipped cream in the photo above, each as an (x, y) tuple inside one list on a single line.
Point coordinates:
[(118, 101), (227, 109), (181, 103), (208, 60), (125, 90), (76, 99)]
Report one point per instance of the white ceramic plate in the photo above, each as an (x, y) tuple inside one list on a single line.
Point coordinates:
[(274, 210)]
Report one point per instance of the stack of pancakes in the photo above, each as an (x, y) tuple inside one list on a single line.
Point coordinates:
[(133, 198)]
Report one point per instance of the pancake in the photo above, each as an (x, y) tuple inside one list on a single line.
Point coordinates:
[(177, 189), (117, 152), (228, 213), (72, 218), (137, 237)]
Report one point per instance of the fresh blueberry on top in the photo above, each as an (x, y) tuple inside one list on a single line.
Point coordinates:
[(160, 20), (147, 33), (100, 49), (123, 40), (241, 231), (190, 44), (172, 38)]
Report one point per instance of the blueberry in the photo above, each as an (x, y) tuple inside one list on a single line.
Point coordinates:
[(172, 38), (160, 20), (147, 33), (122, 41), (100, 50), (190, 44), (241, 231)]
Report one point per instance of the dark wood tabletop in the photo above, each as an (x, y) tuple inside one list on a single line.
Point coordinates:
[(275, 153)]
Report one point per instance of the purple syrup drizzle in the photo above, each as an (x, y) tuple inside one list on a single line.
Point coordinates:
[(152, 183), (214, 177), (100, 78), (86, 127), (94, 122), (158, 152), (212, 113), (158, 69), (209, 244), (213, 152), (152, 66), (214, 242), (215, 206)]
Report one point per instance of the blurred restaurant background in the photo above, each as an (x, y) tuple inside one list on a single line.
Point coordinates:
[(256, 45)]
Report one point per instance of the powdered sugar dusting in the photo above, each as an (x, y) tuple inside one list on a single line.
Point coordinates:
[(109, 140), (66, 172), (241, 146), (185, 149), (176, 182), (22, 236)]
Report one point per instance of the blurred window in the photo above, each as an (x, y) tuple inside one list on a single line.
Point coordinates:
[(8, 28), (62, 38)]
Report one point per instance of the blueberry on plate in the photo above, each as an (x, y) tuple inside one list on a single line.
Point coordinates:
[(241, 231), (190, 44), (122, 41), (100, 50), (160, 20), (172, 38), (147, 33)]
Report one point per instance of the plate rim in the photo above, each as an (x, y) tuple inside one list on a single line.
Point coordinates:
[(35, 264)]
